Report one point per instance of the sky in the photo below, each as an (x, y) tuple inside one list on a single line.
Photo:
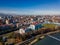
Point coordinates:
[(30, 7)]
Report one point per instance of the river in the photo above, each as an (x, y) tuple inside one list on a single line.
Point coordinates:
[(53, 39)]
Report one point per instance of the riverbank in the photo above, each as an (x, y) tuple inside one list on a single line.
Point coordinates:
[(52, 39), (36, 38)]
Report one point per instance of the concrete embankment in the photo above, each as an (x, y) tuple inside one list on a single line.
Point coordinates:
[(33, 41)]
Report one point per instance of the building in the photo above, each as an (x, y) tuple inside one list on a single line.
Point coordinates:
[(7, 21)]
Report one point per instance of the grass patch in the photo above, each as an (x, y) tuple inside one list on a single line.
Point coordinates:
[(49, 25)]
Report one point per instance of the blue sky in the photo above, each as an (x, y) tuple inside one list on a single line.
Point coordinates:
[(30, 6)]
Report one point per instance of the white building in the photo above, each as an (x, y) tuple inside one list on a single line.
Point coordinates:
[(7, 21), (21, 31), (32, 27)]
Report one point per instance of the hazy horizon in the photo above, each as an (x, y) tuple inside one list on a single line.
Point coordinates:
[(30, 7)]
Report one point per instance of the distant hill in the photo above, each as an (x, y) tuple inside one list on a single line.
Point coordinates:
[(2, 14)]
